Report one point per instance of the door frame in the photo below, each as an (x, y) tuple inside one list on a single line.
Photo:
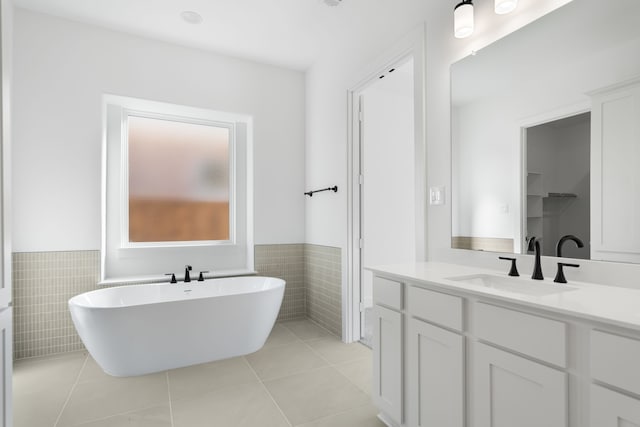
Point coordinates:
[(412, 45), (6, 311), (546, 117)]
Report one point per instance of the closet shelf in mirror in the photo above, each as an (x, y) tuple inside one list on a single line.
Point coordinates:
[(561, 196)]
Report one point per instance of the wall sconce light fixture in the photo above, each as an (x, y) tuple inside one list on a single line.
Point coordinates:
[(463, 24), (463, 19)]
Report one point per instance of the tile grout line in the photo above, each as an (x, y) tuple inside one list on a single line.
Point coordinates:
[(267, 391), (314, 351), (314, 323), (73, 388), (335, 365), (170, 402), (329, 363), (326, 417), (293, 374), (106, 417)]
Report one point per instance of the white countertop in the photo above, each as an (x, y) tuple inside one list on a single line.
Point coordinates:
[(609, 304)]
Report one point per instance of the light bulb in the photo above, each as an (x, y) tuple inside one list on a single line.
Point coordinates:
[(505, 6), (463, 19)]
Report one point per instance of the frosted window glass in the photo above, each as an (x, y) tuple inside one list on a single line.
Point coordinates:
[(178, 181)]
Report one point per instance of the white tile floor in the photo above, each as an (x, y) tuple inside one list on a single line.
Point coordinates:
[(303, 376)]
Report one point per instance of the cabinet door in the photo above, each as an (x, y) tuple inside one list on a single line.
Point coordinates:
[(6, 364), (387, 362), (615, 177), (512, 391), (611, 409), (437, 383)]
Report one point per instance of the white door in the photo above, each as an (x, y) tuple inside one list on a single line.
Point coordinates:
[(6, 352), (387, 195), (513, 391)]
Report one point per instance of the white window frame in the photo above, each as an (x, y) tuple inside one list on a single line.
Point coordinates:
[(124, 170), (125, 261)]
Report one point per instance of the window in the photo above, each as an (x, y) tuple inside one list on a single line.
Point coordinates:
[(176, 190), (179, 176)]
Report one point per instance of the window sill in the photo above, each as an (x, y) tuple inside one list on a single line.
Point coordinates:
[(141, 280)]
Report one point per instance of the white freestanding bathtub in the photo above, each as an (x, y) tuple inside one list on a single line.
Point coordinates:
[(135, 330)]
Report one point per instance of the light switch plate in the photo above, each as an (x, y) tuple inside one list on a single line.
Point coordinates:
[(436, 196)]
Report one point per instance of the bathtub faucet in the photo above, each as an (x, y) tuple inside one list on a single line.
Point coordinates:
[(187, 277)]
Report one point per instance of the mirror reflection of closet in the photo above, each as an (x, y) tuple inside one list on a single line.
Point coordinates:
[(558, 198)]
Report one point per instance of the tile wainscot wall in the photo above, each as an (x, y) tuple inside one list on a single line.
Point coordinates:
[(43, 282), (323, 283)]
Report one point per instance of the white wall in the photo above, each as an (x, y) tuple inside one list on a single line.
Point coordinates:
[(6, 143), (61, 70), (330, 78), (484, 203)]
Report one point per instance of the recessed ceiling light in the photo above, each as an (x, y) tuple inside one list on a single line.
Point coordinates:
[(191, 17), (333, 2)]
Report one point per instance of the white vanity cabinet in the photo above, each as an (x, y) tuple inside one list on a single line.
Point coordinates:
[(432, 348), (614, 362), (446, 356), (613, 409), (512, 390), (388, 375), (436, 359)]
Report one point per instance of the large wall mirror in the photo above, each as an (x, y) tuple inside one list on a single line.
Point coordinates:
[(546, 136)]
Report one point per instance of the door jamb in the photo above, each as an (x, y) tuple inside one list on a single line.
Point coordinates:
[(413, 44)]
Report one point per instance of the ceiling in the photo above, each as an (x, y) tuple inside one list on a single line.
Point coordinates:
[(288, 33)]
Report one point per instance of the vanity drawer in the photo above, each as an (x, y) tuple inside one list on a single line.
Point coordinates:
[(435, 307), (534, 336), (387, 292), (614, 360)]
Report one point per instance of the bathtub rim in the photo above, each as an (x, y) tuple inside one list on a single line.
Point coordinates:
[(75, 301), (155, 279)]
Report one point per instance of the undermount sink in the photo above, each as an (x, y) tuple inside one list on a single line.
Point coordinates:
[(513, 285)]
